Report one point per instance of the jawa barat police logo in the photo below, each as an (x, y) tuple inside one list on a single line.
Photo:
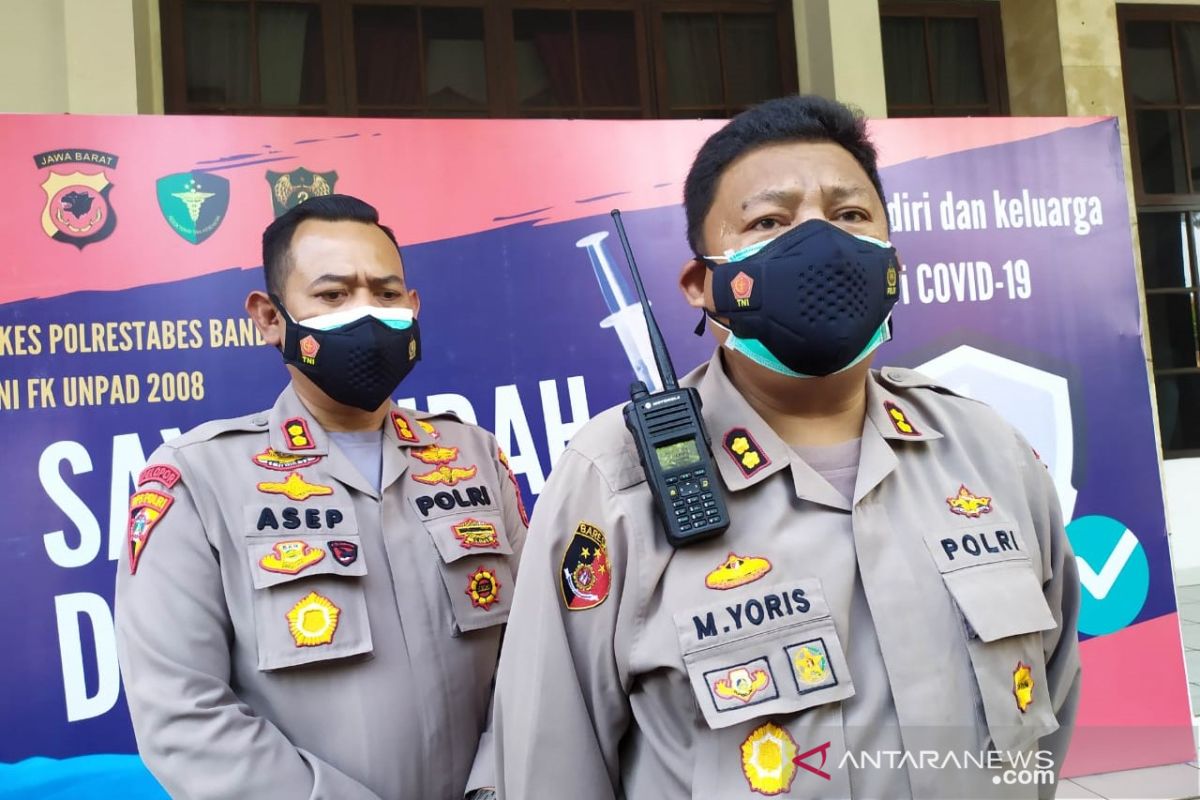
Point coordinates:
[(313, 620), (290, 189), (291, 557), (586, 577), (163, 474), (767, 763), (737, 571), (742, 286), (297, 434), (483, 588), (345, 553), (741, 684), (146, 508), (77, 210), (283, 462), (472, 533), (1023, 686), (193, 203), (746, 453), (294, 487), (968, 505), (900, 420)]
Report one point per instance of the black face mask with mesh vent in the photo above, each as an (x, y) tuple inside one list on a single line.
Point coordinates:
[(814, 297), (358, 364)]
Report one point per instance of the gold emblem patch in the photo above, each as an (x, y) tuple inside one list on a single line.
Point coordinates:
[(472, 533), (810, 665), (744, 451), (483, 588), (737, 571), (900, 420), (403, 430), (313, 620), (969, 505), (1023, 686), (298, 435), (291, 557), (741, 684), (767, 755), (447, 475), (436, 455), (283, 462), (294, 487)]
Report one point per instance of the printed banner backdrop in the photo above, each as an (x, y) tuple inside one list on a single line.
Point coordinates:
[(131, 242)]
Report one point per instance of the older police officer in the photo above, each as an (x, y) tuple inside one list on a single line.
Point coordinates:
[(895, 581), (312, 598)]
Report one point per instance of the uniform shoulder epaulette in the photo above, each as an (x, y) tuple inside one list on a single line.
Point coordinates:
[(900, 378), (431, 415), (605, 441), (205, 431)]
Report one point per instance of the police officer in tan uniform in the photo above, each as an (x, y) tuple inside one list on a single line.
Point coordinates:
[(891, 612), (312, 599)]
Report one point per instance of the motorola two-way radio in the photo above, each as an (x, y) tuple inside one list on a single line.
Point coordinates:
[(673, 445)]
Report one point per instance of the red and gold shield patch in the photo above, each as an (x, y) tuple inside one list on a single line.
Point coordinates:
[(146, 508)]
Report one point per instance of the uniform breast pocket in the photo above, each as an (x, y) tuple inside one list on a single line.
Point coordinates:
[(767, 652), (474, 558), (309, 605), (990, 575)]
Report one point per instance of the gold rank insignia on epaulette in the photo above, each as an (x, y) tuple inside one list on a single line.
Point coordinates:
[(900, 420), (744, 451), (295, 430), (404, 431)]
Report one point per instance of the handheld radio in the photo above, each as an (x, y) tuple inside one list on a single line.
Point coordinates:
[(672, 443)]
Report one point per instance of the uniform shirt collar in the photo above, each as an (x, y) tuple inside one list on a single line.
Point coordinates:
[(895, 417), (293, 429)]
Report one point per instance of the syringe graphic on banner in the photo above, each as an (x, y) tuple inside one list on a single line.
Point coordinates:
[(625, 317)]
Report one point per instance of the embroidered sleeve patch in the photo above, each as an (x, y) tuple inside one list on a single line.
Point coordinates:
[(295, 430), (146, 508), (586, 576), (162, 474), (294, 487), (810, 666), (483, 588), (472, 533), (767, 763), (282, 462), (291, 557), (744, 451)]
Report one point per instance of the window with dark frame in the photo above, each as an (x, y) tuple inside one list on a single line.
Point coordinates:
[(476, 58), (943, 59), (1160, 55)]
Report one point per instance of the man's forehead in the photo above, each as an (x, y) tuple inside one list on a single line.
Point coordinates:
[(782, 171)]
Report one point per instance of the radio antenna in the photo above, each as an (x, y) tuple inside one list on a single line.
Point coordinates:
[(661, 357)]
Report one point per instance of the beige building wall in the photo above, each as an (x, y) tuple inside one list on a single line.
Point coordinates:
[(80, 56)]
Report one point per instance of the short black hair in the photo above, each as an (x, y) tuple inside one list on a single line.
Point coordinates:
[(798, 118), (277, 238)]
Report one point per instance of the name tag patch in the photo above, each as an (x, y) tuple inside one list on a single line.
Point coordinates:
[(752, 612)]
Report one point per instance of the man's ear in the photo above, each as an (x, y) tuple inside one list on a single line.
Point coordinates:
[(694, 282), (267, 319), (414, 302)]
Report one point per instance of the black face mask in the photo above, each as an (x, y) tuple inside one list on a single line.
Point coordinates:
[(815, 300), (357, 364)]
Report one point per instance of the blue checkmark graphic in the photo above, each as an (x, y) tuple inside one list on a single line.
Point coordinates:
[(1114, 574)]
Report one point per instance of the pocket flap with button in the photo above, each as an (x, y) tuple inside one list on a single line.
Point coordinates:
[(1001, 600), (761, 653), (478, 533)]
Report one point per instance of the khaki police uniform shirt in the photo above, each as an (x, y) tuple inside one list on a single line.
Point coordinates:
[(285, 631), (942, 596)]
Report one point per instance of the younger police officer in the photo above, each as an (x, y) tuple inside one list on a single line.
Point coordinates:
[(311, 602), (895, 579)]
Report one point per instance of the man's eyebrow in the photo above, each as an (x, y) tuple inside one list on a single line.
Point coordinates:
[(837, 194), (329, 277), (771, 196), (387, 280)]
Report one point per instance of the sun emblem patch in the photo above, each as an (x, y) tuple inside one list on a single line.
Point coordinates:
[(163, 474), (447, 475), (899, 419), (737, 571), (1023, 686), (291, 557), (297, 434), (744, 451), (403, 430), (313, 620), (586, 577), (436, 455), (767, 755), (483, 588), (294, 487), (968, 505), (810, 665), (146, 508), (472, 533), (283, 462)]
